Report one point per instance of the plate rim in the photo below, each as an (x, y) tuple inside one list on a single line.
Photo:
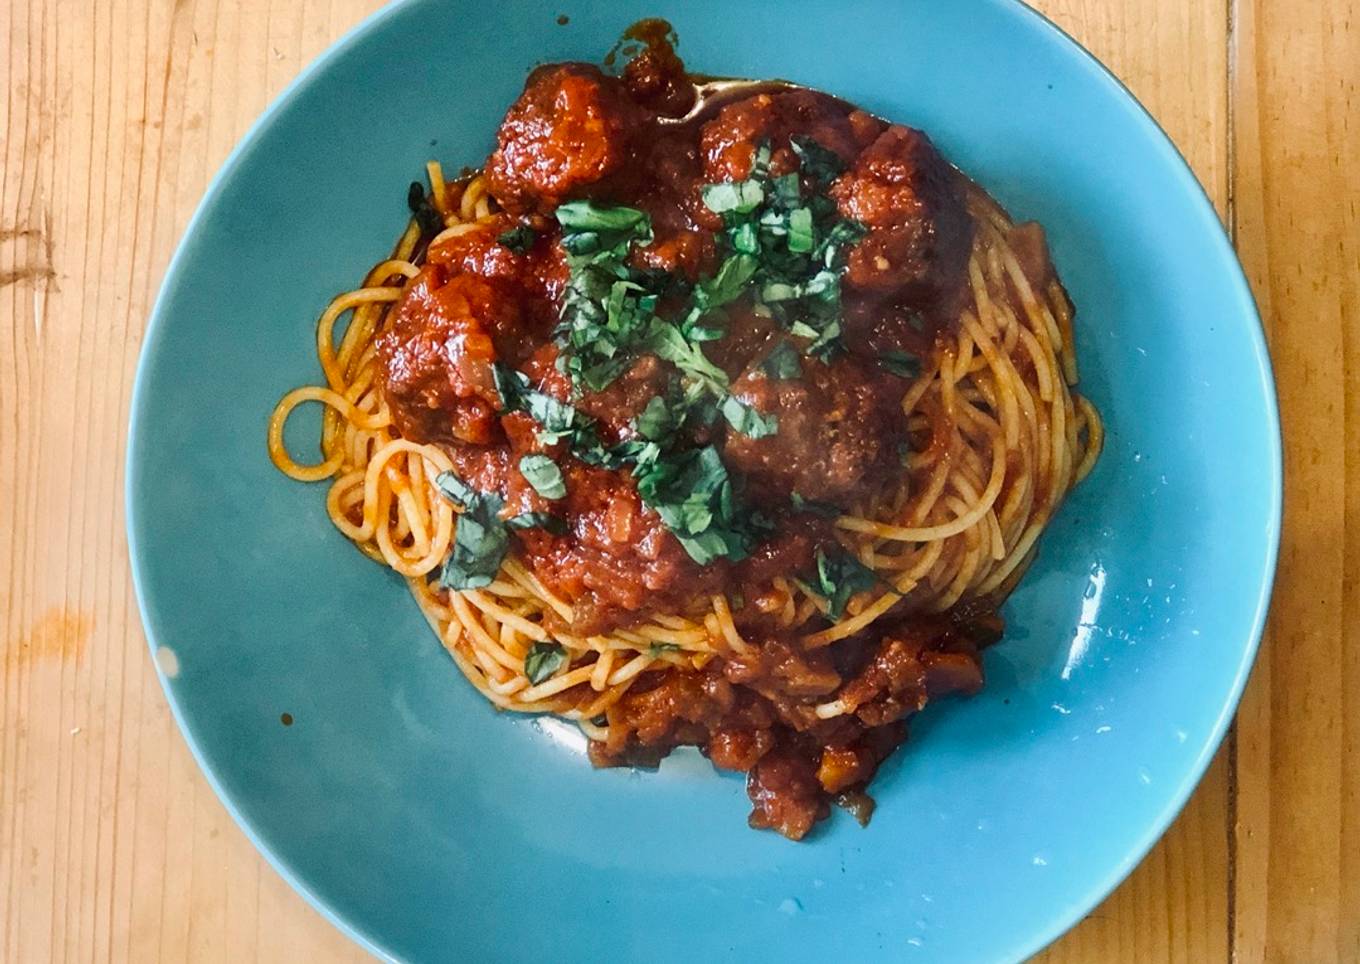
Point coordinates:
[(1026, 945)]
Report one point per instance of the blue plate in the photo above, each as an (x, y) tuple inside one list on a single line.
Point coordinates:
[(432, 828)]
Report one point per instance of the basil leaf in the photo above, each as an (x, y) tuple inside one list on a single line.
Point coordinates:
[(511, 386), (656, 421), (606, 309), (539, 520), (590, 216), (800, 230), (747, 420), (692, 493), (823, 509), (542, 661), (543, 474), (782, 362), (839, 576), (817, 163), (456, 490), (900, 363), (727, 284), (423, 209), (480, 540), (740, 197), (666, 341), (656, 649), (518, 239)]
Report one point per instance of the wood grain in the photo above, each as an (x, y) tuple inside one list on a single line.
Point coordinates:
[(113, 847), (1296, 213)]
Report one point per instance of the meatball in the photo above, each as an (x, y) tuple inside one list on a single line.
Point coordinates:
[(728, 142), (920, 232), (436, 356), (537, 275), (571, 129), (838, 428)]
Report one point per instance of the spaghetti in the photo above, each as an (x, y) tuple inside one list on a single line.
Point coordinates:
[(995, 437)]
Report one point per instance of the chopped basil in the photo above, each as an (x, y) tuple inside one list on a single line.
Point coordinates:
[(656, 421), (518, 239), (543, 474), (542, 661), (480, 540), (667, 341), (456, 490), (797, 239), (782, 362), (783, 245), (740, 197), (579, 216), (800, 230), (556, 419), (421, 207), (539, 520), (606, 309), (818, 163), (824, 509), (656, 649), (692, 493), (747, 420), (839, 576), (725, 286), (900, 363)]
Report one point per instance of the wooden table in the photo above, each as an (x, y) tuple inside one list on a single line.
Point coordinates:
[(112, 845)]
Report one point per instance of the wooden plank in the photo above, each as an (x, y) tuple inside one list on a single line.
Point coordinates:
[(112, 846), (1296, 99), (1173, 55)]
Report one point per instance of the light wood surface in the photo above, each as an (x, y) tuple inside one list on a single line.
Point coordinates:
[(112, 846)]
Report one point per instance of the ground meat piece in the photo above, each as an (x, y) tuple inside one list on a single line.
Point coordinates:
[(436, 354), (729, 141), (570, 130), (656, 79), (920, 232), (782, 665), (786, 794), (838, 428), (918, 662), (739, 749)]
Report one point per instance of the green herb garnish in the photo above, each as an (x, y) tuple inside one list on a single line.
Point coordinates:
[(797, 240), (518, 239), (480, 540), (816, 162), (692, 493), (542, 473), (421, 207), (539, 520), (839, 576), (824, 509), (605, 309), (900, 363), (542, 661), (782, 362), (747, 419)]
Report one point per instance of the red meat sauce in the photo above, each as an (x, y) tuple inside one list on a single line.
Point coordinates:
[(576, 133)]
